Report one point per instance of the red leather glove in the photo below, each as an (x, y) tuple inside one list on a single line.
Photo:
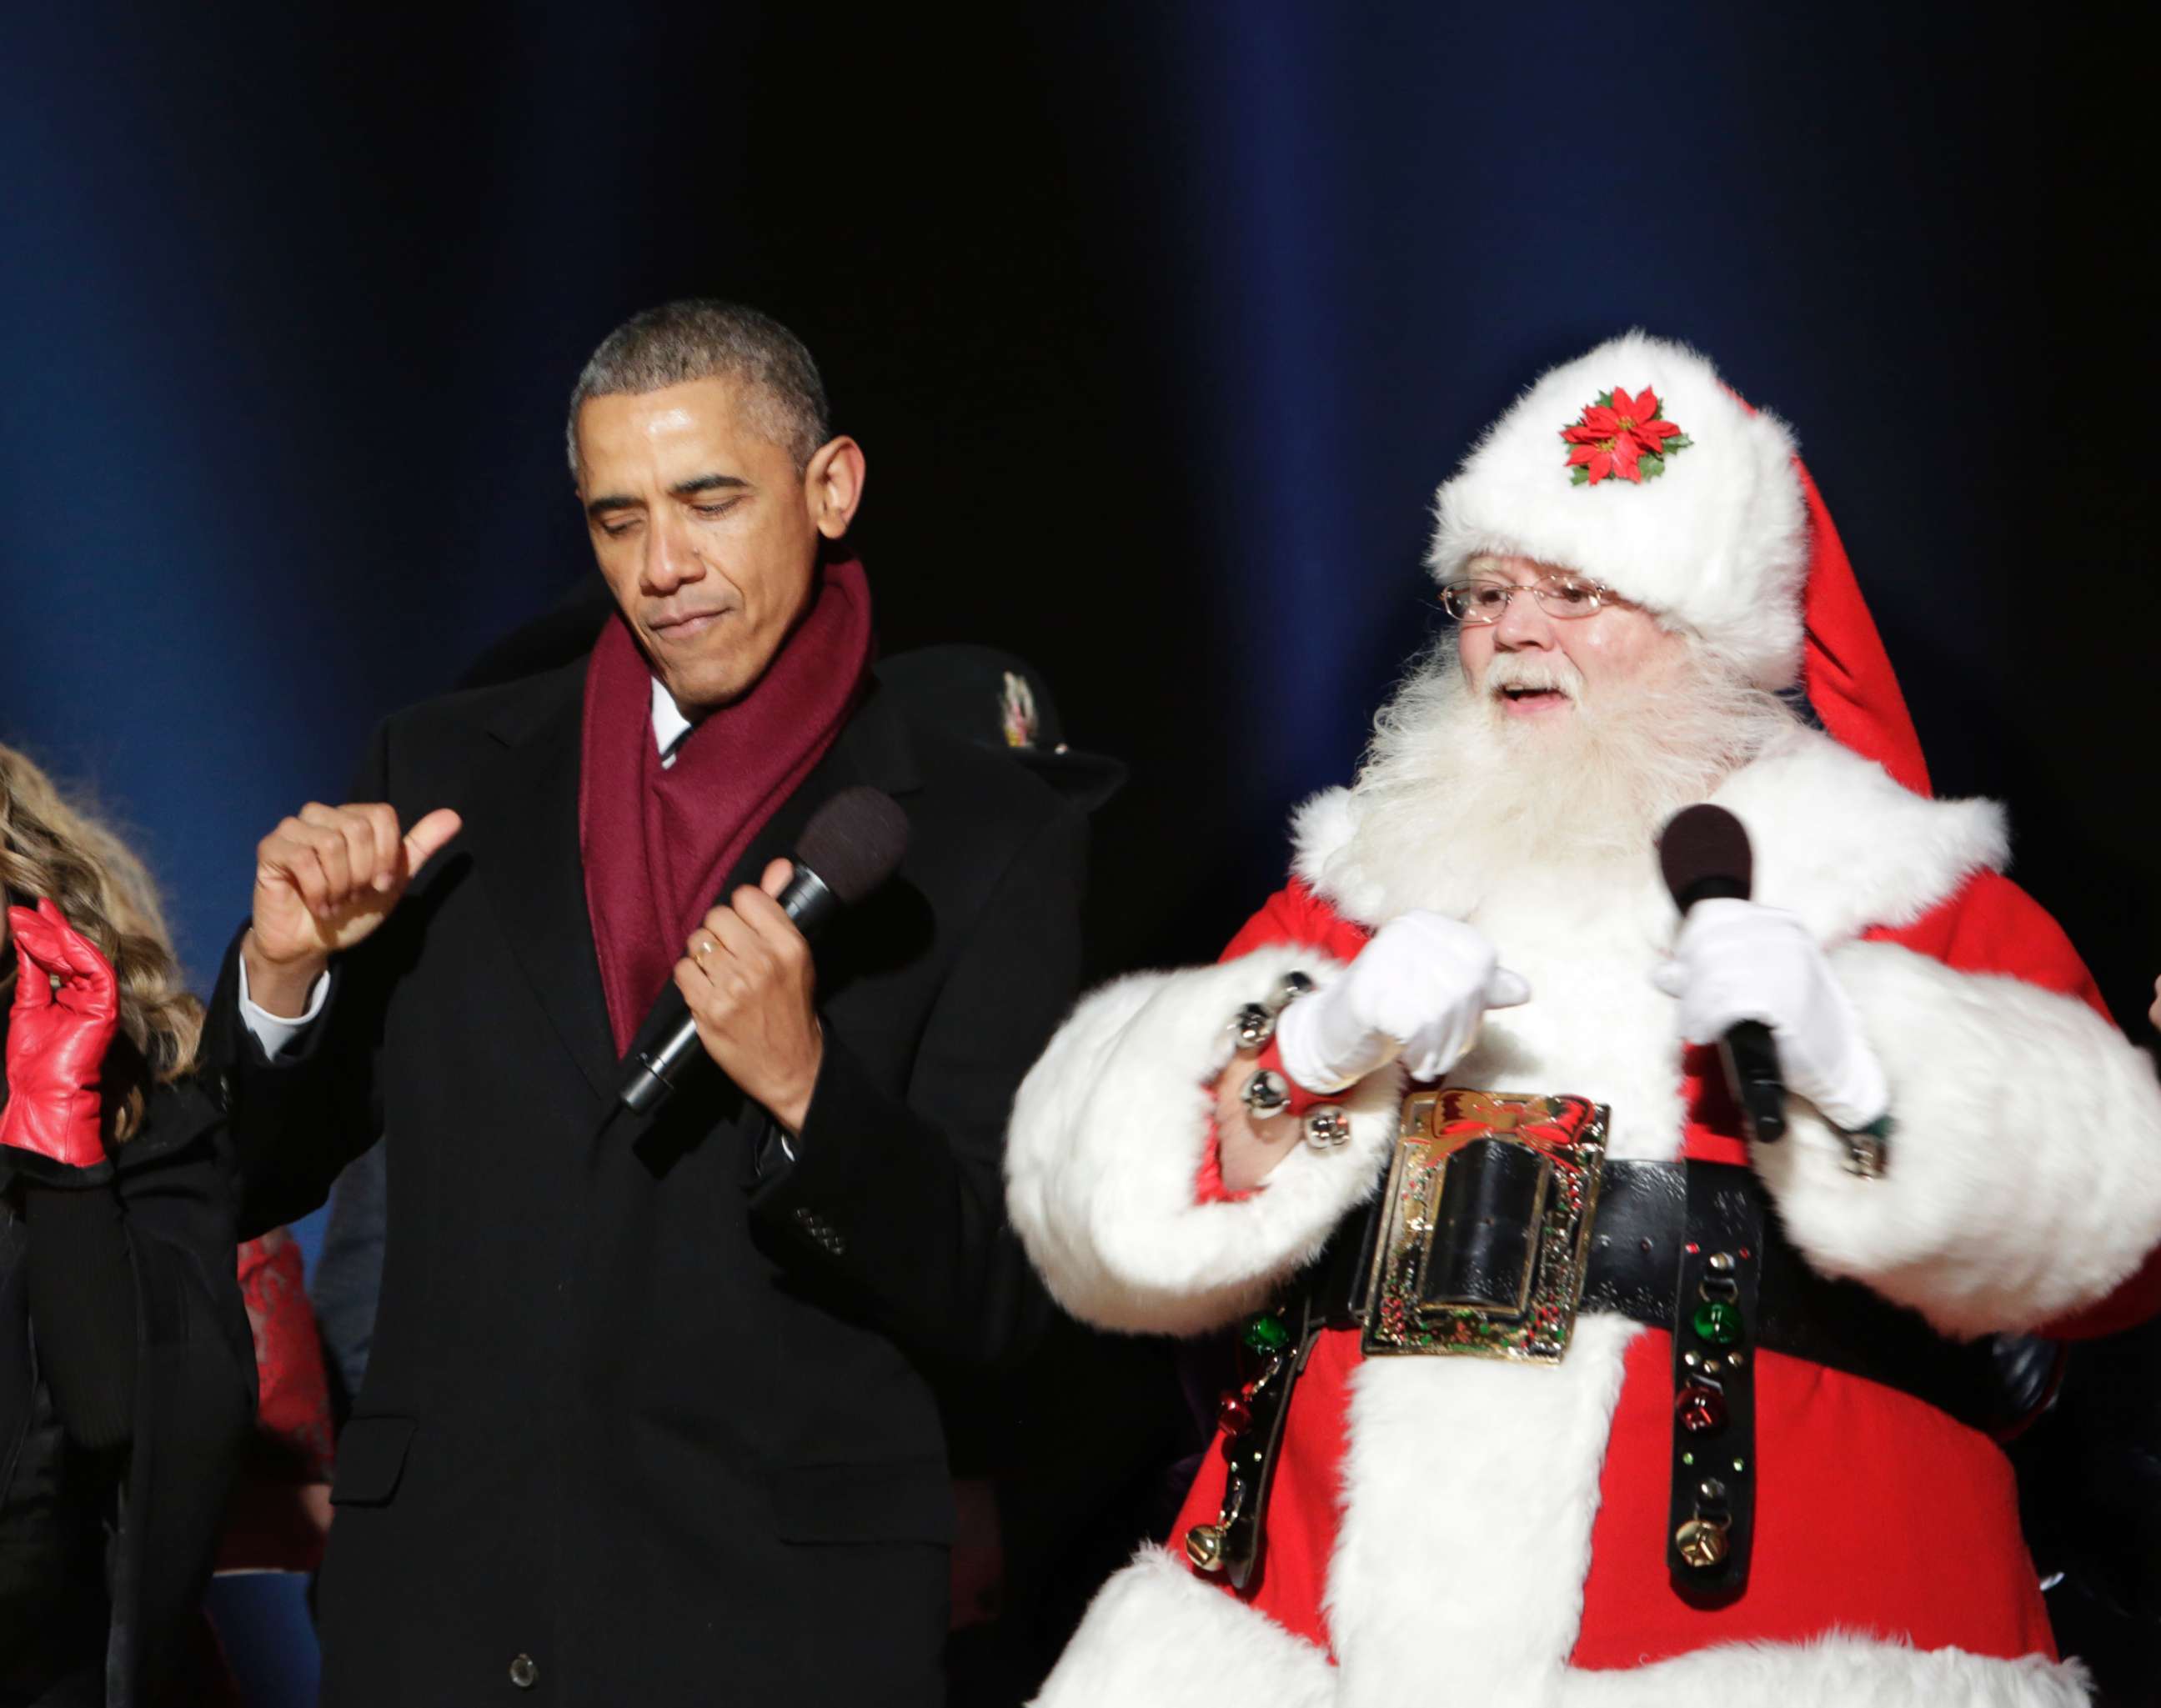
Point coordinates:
[(57, 1038)]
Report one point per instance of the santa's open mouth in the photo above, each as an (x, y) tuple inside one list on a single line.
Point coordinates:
[(1533, 698)]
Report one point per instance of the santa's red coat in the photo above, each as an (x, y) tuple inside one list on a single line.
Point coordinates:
[(1876, 1511), (1516, 1518)]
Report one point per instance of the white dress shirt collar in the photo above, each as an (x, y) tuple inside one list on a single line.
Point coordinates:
[(669, 725)]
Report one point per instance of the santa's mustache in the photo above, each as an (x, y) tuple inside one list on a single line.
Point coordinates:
[(1537, 675)]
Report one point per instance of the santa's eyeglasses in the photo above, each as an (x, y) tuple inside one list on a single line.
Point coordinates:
[(1557, 595)]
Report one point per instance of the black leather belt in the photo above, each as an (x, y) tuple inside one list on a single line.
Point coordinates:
[(1691, 1248), (1635, 1258)]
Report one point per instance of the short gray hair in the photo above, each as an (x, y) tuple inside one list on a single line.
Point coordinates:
[(702, 338)]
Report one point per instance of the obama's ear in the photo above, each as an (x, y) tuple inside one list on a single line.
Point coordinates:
[(833, 485)]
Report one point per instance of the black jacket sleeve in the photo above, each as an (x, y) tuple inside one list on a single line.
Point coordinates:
[(904, 1200), (195, 1374), (81, 1281), (135, 1307), (299, 1120)]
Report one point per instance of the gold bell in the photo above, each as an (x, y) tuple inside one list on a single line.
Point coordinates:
[(1204, 1547), (1701, 1542)]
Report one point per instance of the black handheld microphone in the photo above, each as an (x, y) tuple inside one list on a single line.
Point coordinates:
[(850, 847), (1704, 853)]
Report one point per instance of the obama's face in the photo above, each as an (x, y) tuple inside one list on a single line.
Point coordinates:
[(706, 530)]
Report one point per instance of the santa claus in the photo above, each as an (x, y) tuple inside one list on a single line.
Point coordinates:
[(1565, 1382)]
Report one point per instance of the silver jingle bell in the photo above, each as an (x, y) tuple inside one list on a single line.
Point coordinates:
[(1327, 1126), (1267, 1092), (1288, 989), (1252, 1026), (1204, 1546)]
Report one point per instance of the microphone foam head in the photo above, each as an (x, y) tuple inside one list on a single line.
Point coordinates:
[(1704, 850), (854, 841)]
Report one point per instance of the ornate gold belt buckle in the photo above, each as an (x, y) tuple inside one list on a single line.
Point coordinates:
[(1486, 1225)]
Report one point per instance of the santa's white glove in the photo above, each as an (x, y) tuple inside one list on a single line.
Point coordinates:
[(1738, 961), (1417, 990)]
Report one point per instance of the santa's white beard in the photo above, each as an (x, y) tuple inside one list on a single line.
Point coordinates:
[(1457, 799)]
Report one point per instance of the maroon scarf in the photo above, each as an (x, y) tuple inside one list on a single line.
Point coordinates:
[(657, 843)]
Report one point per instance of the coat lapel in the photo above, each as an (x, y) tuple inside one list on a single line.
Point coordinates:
[(523, 835)]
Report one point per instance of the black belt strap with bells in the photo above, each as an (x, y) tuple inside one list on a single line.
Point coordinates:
[(1711, 1510), (1690, 1248)]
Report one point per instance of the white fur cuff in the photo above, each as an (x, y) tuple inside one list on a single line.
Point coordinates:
[(1110, 1129), (2024, 1176)]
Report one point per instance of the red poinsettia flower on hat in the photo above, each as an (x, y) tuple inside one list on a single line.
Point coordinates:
[(1622, 435)]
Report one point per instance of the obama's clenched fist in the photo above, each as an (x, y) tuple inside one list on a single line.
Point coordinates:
[(324, 880), (751, 991)]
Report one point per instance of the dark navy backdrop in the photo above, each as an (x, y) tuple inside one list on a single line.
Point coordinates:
[(1159, 323)]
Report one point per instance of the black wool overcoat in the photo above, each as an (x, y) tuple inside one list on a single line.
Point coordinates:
[(104, 1556), (646, 1419)]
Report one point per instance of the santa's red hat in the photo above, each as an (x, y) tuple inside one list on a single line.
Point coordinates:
[(1638, 465)]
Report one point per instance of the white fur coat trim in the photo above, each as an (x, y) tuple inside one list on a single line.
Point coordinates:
[(1469, 1490), (1720, 540), (1157, 1637), (1836, 841), (1838, 1670), (1109, 1130), (2024, 1176)]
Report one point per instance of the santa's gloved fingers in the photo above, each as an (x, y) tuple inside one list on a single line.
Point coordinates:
[(1430, 1062), (1417, 988), (1738, 960), (1431, 966), (1832, 1064), (1324, 1046), (1863, 1100), (1434, 1048), (1728, 918), (1507, 990), (1744, 940), (1711, 1007), (1431, 1049), (1421, 938), (1768, 972)]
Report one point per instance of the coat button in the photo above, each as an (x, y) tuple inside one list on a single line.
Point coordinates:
[(524, 1673)]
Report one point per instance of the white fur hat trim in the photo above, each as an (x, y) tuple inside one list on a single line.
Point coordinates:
[(1720, 542)]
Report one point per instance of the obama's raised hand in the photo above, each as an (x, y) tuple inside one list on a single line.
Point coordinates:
[(324, 880)]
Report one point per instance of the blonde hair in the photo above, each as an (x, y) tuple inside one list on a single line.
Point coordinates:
[(51, 848)]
